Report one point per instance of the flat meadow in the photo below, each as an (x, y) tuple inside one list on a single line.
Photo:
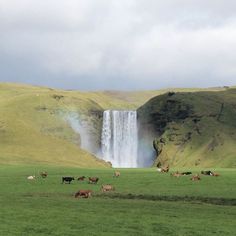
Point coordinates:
[(145, 202)]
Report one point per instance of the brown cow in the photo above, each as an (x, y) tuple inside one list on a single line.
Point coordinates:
[(81, 178), (107, 188), (44, 174), (195, 178), (93, 180), (117, 174), (176, 174), (83, 193), (215, 174)]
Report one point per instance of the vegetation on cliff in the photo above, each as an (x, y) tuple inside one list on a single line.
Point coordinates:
[(191, 129)]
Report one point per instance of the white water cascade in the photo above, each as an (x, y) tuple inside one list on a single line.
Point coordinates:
[(120, 138)]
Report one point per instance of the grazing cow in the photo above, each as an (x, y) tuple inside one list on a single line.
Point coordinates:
[(186, 173), (195, 178), (83, 193), (31, 177), (44, 174), (117, 174), (81, 178), (215, 174), (176, 174), (67, 179), (107, 188), (93, 180), (206, 172), (165, 169)]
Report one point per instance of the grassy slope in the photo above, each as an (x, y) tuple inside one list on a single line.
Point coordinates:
[(193, 127), (33, 128), (33, 131), (46, 207)]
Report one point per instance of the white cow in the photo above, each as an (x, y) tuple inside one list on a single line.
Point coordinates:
[(31, 177)]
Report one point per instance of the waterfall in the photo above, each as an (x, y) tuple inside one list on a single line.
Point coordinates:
[(120, 138)]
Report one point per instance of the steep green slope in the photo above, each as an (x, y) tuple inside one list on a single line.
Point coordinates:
[(191, 128)]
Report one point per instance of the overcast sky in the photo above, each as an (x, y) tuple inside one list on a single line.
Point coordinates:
[(118, 44)]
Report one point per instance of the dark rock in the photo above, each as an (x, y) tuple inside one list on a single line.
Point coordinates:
[(171, 94), (196, 120), (97, 113), (158, 145)]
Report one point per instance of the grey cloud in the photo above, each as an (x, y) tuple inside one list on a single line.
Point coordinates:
[(109, 44)]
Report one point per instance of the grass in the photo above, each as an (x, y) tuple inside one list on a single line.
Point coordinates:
[(145, 202)]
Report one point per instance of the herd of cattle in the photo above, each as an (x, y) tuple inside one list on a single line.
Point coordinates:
[(81, 193), (195, 177), (108, 187)]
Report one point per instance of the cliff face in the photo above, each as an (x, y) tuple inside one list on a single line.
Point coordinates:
[(190, 129)]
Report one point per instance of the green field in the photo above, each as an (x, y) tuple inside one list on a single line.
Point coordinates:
[(145, 202)]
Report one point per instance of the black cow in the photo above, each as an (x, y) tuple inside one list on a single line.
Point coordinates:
[(186, 173), (67, 179), (206, 172)]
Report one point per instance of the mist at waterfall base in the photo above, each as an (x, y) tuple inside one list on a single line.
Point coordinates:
[(82, 128), (120, 144)]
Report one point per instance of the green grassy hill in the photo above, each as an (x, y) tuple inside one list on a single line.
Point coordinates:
[(33, 130), (36, 123), (192, 129)]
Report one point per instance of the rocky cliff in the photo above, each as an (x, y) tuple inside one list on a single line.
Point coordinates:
[(190, 129)]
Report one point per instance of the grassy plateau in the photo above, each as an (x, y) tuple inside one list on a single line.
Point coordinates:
[(145, 202)]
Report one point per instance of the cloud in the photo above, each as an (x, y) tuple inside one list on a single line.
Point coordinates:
[(127, 44)]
